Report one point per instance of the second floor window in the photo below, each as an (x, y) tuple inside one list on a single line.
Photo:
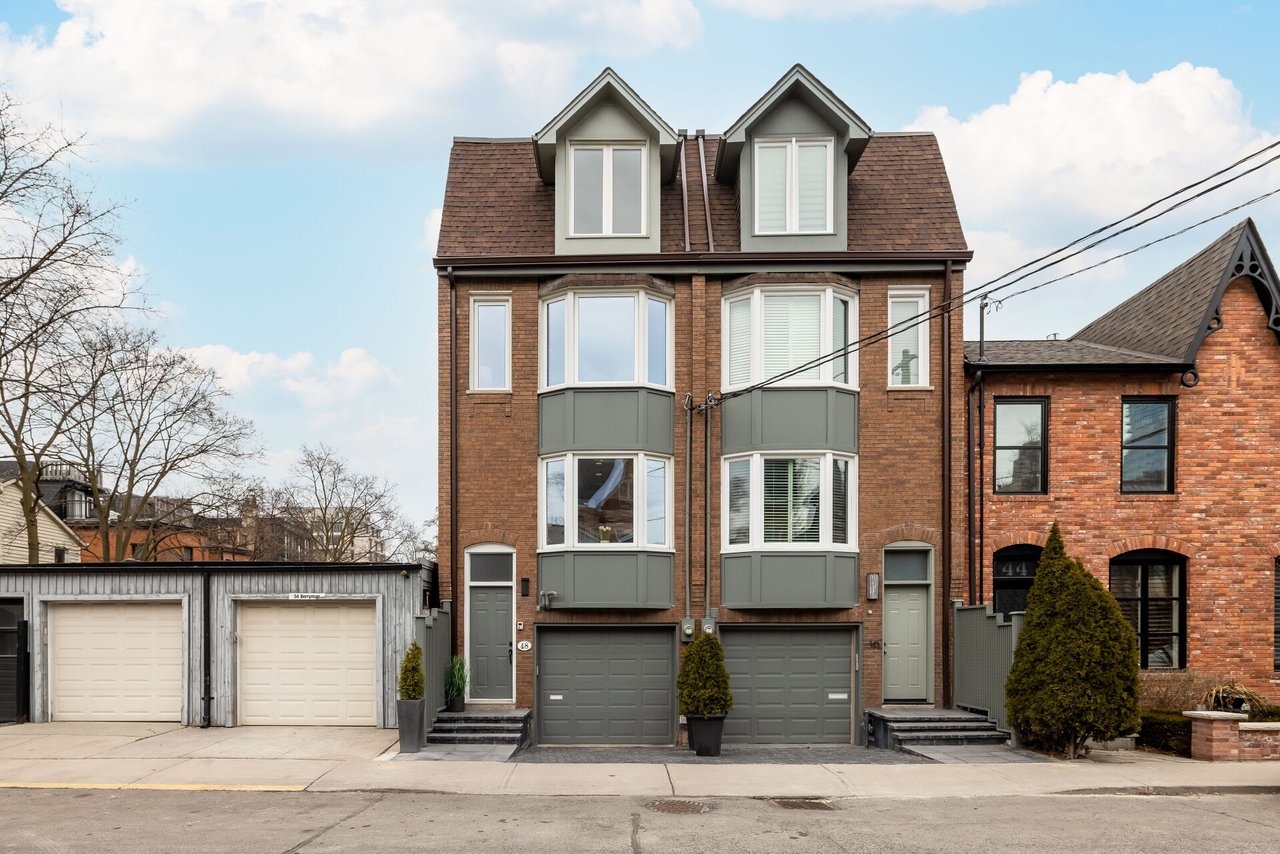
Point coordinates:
[(1022, 459), (774, 501), (606, 500), (909, 343), (793, 186), (1146, 445), (491, 343), (773, 332), (608, 190), (606, 339)]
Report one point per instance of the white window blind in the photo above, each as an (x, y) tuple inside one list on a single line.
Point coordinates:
[(771, 188), (791, 500), (739, 341), (813, 186), (792, 334)]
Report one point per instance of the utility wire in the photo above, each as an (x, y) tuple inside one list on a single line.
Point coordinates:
[(984, 291)]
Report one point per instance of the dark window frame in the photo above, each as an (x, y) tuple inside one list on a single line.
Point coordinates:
[(1144, 558), (1169, 448), (996, 447)]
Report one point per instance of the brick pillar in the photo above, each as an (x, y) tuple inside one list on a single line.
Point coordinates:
[(1215, 736)]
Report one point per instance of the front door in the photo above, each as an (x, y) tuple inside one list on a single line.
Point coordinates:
[(906, 643), (489, 645)]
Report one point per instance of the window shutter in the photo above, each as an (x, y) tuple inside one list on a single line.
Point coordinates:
[(771, 188), (813, 186), (792, 334), (740, 342)]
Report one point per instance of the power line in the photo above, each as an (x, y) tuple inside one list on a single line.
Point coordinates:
[(984, 291)]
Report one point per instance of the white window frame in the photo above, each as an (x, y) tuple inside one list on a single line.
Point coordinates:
[(639, 524), (826, 345), (478, 299), (792, 184), (606, 212), (641, 354), (921, 297), (755, 539)]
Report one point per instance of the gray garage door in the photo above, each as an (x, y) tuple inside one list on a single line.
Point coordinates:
[(606, 685), (790, 685)]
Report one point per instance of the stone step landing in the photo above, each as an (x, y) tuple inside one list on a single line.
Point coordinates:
[(904, 727)]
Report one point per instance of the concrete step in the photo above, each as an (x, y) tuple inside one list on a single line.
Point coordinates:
[(499, 716), (434, 737), (952, 737), (477, 726), (940, 725)]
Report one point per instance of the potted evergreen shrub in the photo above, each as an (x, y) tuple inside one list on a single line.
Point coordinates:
[(705, 697), (411, 687), (455, 685)]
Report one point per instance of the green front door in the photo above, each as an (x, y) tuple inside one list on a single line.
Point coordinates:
[(489, 647), (907, 670)]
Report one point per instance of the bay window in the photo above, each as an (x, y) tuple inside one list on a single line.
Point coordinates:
[(768, 333), (606, 339), (805, 500), (793, 185), (607, 197), (601, 500)]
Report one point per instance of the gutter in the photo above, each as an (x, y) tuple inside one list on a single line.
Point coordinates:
[(630, 261)]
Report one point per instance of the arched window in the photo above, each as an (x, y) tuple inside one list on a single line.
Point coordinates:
[(1012, 574), (1151, 587)]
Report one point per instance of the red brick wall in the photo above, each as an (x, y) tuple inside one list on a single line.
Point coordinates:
[(1260, 744), (1223, 515), (899, 471)]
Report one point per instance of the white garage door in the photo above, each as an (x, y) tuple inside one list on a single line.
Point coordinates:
[(307, 663), (115, 661)]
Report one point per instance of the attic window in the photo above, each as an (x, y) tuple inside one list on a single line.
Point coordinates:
[(793, 185), (607, 196)]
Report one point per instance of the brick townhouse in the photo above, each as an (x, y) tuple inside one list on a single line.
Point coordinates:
[(599, 284), (1151, 436)]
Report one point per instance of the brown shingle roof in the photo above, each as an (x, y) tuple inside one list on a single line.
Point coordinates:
[(899, 201), (1058, 354), (1166, 316)]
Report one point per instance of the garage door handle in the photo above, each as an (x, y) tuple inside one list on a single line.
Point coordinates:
[(510, 654)]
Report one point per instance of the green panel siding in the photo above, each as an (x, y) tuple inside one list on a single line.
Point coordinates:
[(789, 580), (606, 685), (773, 419), (637, 419), (790, 685), (608, 579)]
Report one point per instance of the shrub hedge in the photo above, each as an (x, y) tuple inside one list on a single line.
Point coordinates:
[(1166, 731)]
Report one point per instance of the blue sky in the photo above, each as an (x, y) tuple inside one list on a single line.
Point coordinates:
[(281, 161)]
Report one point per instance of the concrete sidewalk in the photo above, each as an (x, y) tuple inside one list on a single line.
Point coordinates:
[(132, 756)]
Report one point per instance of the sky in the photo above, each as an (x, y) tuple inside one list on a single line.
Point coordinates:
[(282, 162)]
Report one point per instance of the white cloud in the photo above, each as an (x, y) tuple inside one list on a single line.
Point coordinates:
[(353, 375), (238, 371), (775, 9), (142, 75)]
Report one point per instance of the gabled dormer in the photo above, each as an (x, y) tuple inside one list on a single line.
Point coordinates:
[(607, 153), (790, 156)]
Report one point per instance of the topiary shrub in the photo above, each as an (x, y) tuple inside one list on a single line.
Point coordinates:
[(412, 684), (703, 681), (1075, 669)]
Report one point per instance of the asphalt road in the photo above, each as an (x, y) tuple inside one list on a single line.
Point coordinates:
[(70, 820)]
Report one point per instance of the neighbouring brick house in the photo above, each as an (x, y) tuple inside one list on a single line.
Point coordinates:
[(1151, 436), (599, 283)]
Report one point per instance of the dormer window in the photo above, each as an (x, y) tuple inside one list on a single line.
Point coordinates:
[(607, 195), (793, 185)]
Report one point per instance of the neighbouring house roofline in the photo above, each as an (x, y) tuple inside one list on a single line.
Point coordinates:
[(49, 512), (706, 261), (218, 566)]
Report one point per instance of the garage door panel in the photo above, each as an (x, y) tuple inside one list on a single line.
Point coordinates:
[(115, 661), (783, 680), (307, 664), (615, 685)]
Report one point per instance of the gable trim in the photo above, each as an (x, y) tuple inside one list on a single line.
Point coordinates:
[(1249, 260)]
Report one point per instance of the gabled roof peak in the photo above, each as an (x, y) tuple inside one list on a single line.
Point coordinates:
[(607, 85), (798, 82)]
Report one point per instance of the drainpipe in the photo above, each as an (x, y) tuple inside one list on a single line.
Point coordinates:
[(973, 497), (688, 504), (684, 186), (706, 511), (453, 446), (946, 487), (706, 199), (206, 651), (982, 487)]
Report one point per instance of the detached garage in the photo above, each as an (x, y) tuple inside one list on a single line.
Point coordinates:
[(222, 644)]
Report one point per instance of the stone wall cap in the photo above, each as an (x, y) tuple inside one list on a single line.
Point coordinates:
[(1216, 716), (1261, 726)]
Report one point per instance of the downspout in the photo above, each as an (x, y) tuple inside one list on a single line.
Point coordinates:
[(453, 447), (946, 487), (706, 199), (688, 504), (982, 488), (973, 497), (706, 511), (684, 193), (206, 651)]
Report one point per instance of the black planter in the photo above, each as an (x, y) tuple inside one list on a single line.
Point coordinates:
[(455, 704), (705, 733), (410, 714)]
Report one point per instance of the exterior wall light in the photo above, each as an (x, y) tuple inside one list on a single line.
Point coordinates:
[(873, 586)]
